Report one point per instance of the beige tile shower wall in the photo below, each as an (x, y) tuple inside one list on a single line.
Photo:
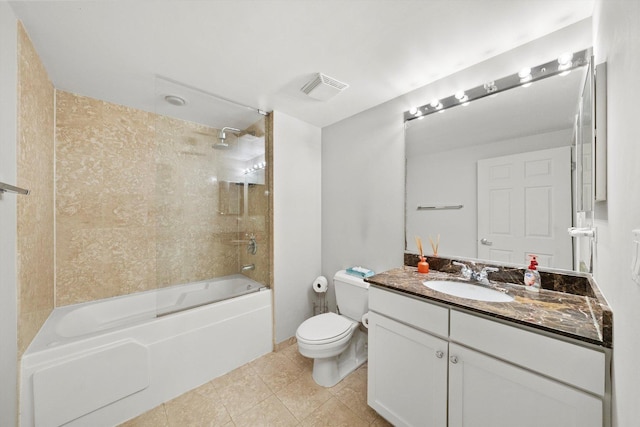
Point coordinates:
[(256, 220), (139, 203), (256, 224), (197, 215), (105, 234), (35, 211)]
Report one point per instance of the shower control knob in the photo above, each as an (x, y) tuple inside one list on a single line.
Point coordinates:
[(439, 354), (454, 359)]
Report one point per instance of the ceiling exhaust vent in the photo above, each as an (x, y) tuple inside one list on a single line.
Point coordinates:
[(323, 87)]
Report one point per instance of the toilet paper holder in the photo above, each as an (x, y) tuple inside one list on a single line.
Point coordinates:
[(320, 306), (320, 286), (583, 232)]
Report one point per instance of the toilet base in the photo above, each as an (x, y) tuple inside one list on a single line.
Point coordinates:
[(329, 371)]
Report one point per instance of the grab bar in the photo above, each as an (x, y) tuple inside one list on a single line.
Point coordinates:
[(11, 189), (437, 207)]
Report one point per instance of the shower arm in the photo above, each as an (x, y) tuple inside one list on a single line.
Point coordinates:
[(222, 134)]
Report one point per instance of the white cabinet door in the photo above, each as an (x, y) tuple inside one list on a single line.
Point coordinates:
[(407, 374), (484, 391)]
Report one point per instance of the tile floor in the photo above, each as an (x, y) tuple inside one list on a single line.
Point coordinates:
[(274, 390)]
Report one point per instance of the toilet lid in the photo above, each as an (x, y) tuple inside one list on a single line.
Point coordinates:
[(324, 327)]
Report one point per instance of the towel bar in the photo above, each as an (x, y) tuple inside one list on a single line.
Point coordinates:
[(436, 207), (11, 189)]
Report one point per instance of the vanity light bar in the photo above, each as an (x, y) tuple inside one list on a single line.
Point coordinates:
[(548, 69), (256, 167)]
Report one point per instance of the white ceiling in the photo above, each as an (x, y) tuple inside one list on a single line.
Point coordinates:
[(261, 52)]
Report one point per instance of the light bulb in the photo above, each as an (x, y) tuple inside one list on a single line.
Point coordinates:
[(525, 75), (564, 61), (461, 96)]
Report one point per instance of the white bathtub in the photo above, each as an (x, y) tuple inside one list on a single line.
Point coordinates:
[(104, 362)]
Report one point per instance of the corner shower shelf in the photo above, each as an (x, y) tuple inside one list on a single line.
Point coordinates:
[(11, 189)]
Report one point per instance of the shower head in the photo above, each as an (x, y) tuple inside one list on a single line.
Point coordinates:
[(222, 136), (220, 145)]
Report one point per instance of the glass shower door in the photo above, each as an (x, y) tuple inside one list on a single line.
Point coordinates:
[(211, 200)]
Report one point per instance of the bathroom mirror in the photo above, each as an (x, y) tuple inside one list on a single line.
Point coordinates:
[(463, 167), (584, 147)]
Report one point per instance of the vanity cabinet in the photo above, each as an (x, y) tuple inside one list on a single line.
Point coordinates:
[(431, 365), (407, 373), (485, 391)]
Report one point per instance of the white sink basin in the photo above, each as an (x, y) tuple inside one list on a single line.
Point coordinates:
[(468, 291)]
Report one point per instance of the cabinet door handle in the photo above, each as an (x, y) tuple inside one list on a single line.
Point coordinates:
[(454, 359), (439, 354)]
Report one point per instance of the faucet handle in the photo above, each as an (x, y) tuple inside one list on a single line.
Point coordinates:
[(465, 271), (482, 277)]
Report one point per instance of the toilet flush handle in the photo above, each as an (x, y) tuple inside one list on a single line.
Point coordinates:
[(365, 320)]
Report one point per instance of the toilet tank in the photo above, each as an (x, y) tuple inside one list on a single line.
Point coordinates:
[(351, 295)]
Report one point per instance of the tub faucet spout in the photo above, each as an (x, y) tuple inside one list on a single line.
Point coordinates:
[(248, 267)]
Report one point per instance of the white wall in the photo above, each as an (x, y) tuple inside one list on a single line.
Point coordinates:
[(426, 174), (363, 160), (617, 41), (8, 231), (362, 193), (297, 221)]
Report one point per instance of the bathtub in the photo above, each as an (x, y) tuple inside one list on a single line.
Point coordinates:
[(103, 362)]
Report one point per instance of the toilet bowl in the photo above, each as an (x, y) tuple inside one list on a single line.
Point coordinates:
[(326, 335), (335, 341)]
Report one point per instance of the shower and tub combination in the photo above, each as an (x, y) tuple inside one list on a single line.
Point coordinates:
[(207, 308), (101, 363)]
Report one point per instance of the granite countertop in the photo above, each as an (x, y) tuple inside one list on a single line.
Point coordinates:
[(583, 317)]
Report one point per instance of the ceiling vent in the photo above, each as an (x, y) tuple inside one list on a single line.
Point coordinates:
[(323, 87)]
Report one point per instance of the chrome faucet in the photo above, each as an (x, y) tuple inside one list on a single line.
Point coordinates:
[(477, 276), (252, 246), (248, 267)]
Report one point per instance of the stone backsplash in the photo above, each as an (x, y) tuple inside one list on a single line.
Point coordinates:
[(554, 281)]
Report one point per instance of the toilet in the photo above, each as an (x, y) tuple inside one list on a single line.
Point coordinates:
[(336, 342)]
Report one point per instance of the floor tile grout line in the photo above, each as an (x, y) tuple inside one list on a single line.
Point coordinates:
[(252, 407), (307, 416), (288, 410), (289, 355)]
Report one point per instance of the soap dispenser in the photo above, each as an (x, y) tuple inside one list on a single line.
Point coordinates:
[(532, 276)]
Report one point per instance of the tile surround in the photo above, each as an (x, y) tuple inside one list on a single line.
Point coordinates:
[(137, 207), (35, 243), (132, 201), (276, 389)]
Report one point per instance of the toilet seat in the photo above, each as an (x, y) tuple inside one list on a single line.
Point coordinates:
[(324, 328)]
